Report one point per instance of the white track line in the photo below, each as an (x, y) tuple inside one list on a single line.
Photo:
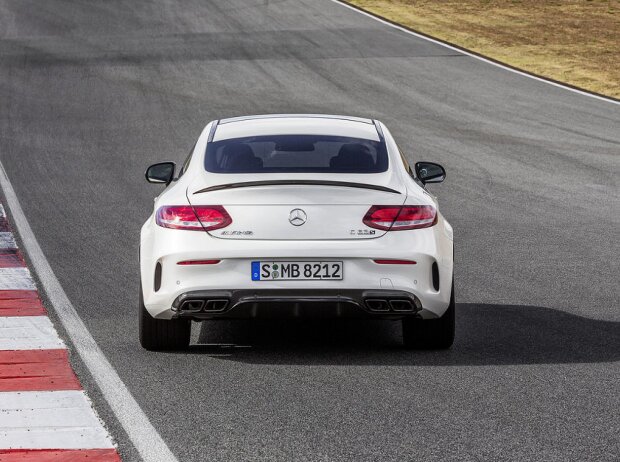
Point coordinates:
[(475, 56), (50, 419), (28, 333), (136, 424), (16, 279)]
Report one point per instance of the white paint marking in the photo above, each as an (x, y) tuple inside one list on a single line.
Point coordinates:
[(16, 279), (28, 333), (7, 241), (2, 212), (472, 55), (136, 424), (50, 419)]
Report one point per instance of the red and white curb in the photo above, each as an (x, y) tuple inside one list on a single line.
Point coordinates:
[(45, 416)]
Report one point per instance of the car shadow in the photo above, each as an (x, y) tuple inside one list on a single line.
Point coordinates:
[(486, 335)]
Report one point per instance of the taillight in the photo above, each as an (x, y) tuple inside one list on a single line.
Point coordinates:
[(395, 218), (212, 216), (198, 218), (414, 217)]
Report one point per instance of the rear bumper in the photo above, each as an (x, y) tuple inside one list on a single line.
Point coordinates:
[(295, 303), (164, 281)]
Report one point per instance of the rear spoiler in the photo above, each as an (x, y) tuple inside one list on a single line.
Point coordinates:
[(340, 184)]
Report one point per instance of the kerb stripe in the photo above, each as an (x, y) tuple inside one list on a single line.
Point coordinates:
[(68, 455), (50, 420), (36, 370), (28, 333), (21, 303)]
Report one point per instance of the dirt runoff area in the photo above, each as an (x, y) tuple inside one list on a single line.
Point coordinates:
[(572, 41)]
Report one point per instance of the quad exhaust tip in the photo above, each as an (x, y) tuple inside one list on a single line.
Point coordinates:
[(396, 305), (192, 306), (376, 304), (401, 305), (216, 305), (197, 306)]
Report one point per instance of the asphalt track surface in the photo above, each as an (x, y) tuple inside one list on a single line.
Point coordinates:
[(92, 92)]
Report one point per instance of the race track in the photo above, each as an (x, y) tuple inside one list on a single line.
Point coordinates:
[(92, 92)]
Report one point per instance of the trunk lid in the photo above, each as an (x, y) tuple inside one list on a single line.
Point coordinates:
[(286, 210)]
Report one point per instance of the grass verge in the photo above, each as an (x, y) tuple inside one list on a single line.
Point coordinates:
[(571, 41)]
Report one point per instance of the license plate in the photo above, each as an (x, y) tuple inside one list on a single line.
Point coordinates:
[(296, 270)]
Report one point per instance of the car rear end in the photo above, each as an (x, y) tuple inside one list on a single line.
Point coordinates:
[(371, 272), (291, 223)]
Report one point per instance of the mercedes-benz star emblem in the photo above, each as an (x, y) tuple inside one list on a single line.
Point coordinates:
[(297, 217)]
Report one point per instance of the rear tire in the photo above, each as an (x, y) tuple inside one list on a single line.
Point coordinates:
[(162, 334), (431, 334)]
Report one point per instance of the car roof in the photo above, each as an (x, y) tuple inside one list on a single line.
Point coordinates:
[(296, 124)]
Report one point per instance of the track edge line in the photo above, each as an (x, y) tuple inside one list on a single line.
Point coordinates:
[(478, 56), (127, 411)]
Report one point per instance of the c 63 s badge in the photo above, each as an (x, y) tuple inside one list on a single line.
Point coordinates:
[(362, 232)]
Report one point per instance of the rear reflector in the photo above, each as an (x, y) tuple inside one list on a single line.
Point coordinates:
[(198, 262), (395, 262), (199, 218), (397, 218)]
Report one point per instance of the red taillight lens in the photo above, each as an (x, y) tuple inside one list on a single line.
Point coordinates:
[(199, 218), (381, 216), (178, 217), (414, 217), (212, 216), (395, 218)]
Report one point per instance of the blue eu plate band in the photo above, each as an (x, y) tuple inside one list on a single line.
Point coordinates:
[(255, 271)]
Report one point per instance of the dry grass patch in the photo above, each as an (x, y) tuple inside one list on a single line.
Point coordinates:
[(573, 41)]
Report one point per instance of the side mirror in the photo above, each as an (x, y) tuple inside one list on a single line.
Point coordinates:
[(160, 173), (430, 172)]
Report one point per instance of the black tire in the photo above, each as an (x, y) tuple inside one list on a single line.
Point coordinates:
[(431, 334), (162, 334)]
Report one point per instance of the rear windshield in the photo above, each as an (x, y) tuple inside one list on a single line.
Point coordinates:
[(296, 154)]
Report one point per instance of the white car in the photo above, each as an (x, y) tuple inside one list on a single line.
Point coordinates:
[(296, 216)]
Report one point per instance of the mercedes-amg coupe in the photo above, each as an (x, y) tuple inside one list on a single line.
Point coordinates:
[(296, 216)]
